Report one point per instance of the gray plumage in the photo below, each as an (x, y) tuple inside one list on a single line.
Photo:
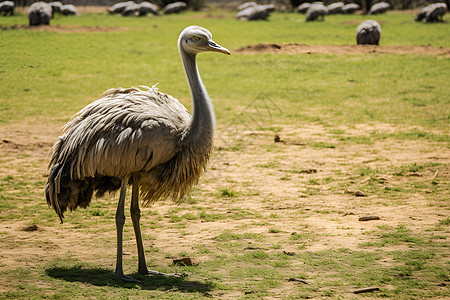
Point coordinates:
[(69, 10), (148, 8), (437, 13), (422, 13), (131, 9), (56, 6), (141, 9), (302, 8), (270, 7), (335, 8), (368, 33), (432, 13), (316, 11), (378, 8), (252, 13), (247, 5), (141, 137), (7, 7), (175, 7), (39, 13), (126, 131), (119, 7), (350, 8)]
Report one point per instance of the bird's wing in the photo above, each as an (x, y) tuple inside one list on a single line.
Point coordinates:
[(125, 131)]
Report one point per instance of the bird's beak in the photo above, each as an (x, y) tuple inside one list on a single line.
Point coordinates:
[(213, 46)]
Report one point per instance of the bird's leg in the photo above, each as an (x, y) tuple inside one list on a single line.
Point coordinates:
[(120, 222), (135, 217), (135, 213)]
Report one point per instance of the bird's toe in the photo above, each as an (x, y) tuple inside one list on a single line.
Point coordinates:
[(127, 279)]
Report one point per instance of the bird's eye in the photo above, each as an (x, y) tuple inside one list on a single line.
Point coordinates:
[(196, 38)]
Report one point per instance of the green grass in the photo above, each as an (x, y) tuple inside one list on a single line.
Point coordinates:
[(251, 240), (42, 74)]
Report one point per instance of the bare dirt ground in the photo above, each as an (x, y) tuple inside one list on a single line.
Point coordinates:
[(333, 214), (343, 49), (64, 28)]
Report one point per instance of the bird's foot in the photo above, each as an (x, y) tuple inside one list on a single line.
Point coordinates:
[(156, 273), (127, 279)]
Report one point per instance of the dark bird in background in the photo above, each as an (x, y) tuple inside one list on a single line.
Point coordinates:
[(368, 33), (316, 11), (39, 13), (378, 8), (432, 13), (7, 7)]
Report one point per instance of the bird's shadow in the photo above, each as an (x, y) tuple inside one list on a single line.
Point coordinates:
[(104, 277)]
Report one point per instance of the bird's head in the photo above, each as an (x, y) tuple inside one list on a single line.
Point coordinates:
[(196, 39)]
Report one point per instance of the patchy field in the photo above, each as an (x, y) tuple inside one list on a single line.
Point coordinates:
[(265, 212), (343, 49), (306, 146)]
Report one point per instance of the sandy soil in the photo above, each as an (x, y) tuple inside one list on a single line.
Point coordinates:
[(333, 213), (342, 49)]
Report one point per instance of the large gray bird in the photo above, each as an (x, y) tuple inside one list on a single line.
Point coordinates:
[(69, 10), (119, 7), (302, 8), (39, 13), (176, 7), (258, 12), (368, 33), (335, 8), (432, 13), (316, 11), (378, 8), (350, 8), (7, 7), (142, 138)]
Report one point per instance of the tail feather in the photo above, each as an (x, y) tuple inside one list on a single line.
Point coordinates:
[(52, 191), (63, 192), (368, 36)]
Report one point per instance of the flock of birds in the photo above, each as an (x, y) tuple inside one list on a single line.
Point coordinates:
[(131, 8), (249, 11), (367, 33), (40, 13)]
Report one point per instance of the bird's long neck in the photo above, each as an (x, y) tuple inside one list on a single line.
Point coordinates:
[(201, 130)]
